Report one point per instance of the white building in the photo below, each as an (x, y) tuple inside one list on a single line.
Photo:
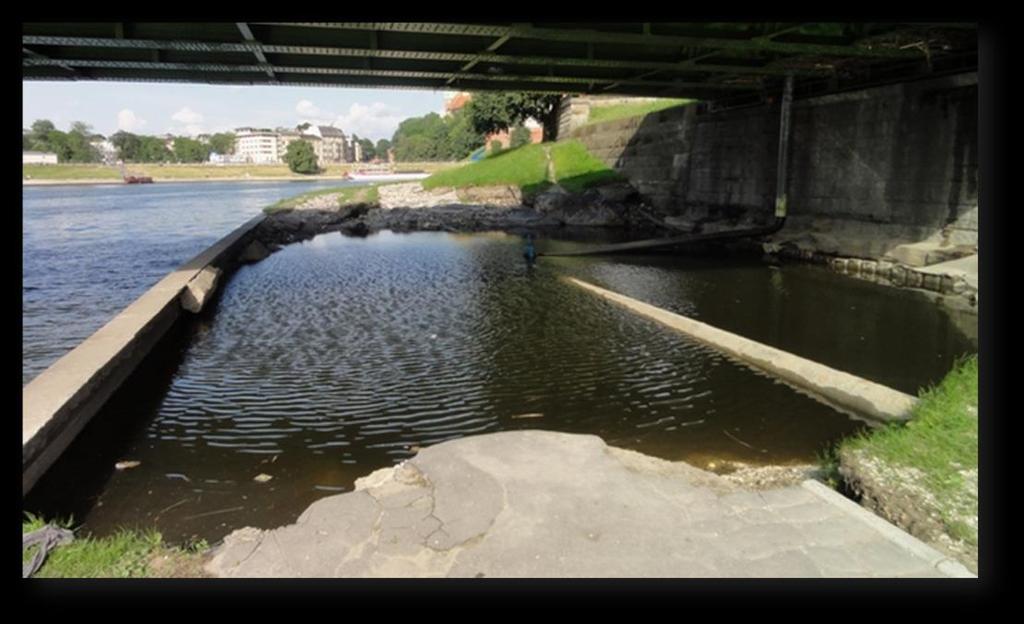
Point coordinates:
[(107, 151), (38, 158), (333, 146), (256, 145)]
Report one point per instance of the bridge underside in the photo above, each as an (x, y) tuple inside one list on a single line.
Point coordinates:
[(709, 61)]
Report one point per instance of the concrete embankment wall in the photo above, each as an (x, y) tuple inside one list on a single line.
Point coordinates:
[(858, 397), (868, 170), (58, 403)]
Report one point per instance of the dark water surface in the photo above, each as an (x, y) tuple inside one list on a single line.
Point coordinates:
[(338, 356), (89, 251)]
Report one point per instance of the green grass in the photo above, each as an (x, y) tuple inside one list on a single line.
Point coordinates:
[(125, 554), (527, 167), (612, 112), (940, 440), (522, 166), (576, 169)]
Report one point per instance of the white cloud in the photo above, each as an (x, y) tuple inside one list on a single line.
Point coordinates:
[(187, 116), (127, 121), (308, 109), (376, 121), (373, 121)]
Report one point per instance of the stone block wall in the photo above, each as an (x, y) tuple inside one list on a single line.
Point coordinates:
[(868, 169)]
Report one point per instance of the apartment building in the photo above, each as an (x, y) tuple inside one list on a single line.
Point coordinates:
[(262, 145), (256, 145)]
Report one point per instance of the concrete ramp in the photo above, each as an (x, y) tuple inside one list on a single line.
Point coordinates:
[(546, 504)]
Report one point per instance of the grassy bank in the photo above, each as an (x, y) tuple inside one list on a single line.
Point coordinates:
[(572, 166), (124, 555), (72, 172), (929, 466), (622, 111), (346, 195)]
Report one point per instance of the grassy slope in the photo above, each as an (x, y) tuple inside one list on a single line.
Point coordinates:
[(941, 440), (126, 554), (621, 111), (527, 168), (576, 169)]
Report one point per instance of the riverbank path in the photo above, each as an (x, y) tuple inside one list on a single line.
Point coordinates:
[(547, 504)]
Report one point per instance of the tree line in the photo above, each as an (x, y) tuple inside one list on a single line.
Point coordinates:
[(71, 146), (456, 136), (75, 146), (426, 138)]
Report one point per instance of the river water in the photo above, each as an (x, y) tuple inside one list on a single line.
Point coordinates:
[(338, 356), (88, 251)]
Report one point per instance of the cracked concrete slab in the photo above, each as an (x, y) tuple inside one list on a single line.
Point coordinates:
[(546, 504)]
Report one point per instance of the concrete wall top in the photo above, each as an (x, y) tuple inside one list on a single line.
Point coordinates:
[(57, 395)]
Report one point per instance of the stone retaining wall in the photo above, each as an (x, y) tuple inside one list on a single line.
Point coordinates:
[(899, 164)]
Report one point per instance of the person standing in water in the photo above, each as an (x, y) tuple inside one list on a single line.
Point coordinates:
[(530, 253)]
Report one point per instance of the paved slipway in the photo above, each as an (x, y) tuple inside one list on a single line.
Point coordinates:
[(546, 504)]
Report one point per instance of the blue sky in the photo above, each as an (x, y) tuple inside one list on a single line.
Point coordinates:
[(189, 109)]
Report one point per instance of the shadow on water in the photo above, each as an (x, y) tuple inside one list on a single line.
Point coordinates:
[(338, 356), (72, 486)]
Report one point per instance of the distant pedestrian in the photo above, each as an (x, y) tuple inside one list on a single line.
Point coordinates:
[(530, 253)]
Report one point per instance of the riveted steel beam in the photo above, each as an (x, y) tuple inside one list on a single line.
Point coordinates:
[(596, 36), (777, 69)]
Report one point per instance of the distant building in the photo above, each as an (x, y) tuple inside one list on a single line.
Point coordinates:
[(333, 146), (263, 145), (256, 145), (284, 139), (38, 158), (357, 150), (106, 149), (505, 136), (456, 102)]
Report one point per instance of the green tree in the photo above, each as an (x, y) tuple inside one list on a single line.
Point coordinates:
[(462, 138), (369, 151), (79, 150), (153, 149), (57, 142), (41, 128), (495, 147), (223, 143), (301, 157), (128, 145), (520, 136), (496, 111), (78, 145), (382, 148), (420, 138), (190, 150)]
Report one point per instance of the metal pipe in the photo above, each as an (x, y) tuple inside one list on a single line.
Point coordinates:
[(780, 180)]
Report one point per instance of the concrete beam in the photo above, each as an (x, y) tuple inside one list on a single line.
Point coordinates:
[(58, 403), (847, 393)]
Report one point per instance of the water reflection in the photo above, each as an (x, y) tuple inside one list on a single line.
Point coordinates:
[(338, 356)]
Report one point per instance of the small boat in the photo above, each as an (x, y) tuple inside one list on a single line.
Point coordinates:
[(130, 178)]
